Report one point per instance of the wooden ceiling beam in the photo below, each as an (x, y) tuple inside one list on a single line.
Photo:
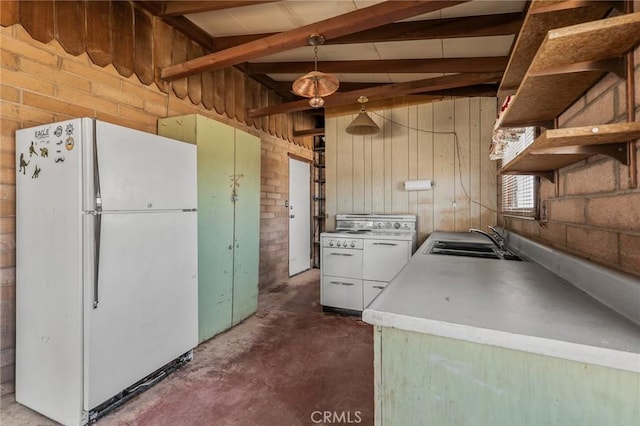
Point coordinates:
[(309, 132), (338, 26), (471, 26), (483, 89), (184, 7), (476, 90), (344, 86), (449, 65), (558, 6), (385, 91), (468, 26)]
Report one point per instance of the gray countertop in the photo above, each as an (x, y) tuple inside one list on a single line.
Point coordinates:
[(516, 305)]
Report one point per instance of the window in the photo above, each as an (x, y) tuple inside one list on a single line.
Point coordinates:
[(519, 191)]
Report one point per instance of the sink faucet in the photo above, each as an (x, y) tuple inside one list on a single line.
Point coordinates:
[(499, 243), (498, 236)]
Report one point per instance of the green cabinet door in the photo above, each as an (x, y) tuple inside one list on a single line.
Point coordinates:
[(247, 226), (215, 226), (423, 379)]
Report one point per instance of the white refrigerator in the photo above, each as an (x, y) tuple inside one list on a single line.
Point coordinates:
[(106, 266)]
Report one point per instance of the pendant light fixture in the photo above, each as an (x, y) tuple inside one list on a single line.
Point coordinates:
[(315, 85), (362, 124)]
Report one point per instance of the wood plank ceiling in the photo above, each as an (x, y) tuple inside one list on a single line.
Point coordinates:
[(380, 49)]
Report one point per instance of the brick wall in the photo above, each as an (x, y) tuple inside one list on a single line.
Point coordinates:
[(594, 215), (41, 83)]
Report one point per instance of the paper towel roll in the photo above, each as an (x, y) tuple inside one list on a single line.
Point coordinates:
[(417, 185)]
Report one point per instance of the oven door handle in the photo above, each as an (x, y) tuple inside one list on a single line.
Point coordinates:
[(385, 244), (341, 283), (341, 254)]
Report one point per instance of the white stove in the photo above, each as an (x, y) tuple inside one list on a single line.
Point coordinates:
[(361, 257)]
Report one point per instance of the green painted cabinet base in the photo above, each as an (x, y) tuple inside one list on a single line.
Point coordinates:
[(429, 380), (228, 219)]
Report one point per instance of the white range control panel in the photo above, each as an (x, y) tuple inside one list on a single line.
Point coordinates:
[(355, 243), (404, 226)]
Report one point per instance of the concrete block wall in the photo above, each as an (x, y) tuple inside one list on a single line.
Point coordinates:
[(595, 214), (40, 83)]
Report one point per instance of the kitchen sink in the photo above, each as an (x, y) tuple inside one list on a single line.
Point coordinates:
[(469, 249)]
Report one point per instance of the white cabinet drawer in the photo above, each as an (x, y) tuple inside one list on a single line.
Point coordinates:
[(370, 290), (384, 259), (338, 292), (341, 262)]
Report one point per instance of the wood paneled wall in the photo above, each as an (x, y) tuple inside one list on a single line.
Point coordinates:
[(446, 142)]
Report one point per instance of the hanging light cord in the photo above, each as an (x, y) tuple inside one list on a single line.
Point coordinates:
[(315, 68), (315, 58), (457, 145)]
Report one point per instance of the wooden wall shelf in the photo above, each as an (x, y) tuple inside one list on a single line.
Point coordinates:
[(589, 135), (542, 16), (557, 148), (569, 61)]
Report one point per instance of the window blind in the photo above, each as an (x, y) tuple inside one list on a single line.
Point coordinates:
[(519, 191)]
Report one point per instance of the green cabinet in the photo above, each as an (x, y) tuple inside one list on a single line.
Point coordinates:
[(423, 379), (228, 219)]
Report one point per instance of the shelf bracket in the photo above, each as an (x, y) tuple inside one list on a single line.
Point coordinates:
[(615, 65), (548, 175), (617, 151), (632, 163), (631, 110)]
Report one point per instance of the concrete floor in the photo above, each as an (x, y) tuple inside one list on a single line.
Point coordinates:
[(285, 365)]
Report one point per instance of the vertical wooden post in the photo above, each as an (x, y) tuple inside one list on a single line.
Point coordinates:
[(631, 110), (556, 172)]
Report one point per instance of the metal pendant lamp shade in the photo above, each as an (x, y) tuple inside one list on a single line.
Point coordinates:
[(362, 124), (316, 84)]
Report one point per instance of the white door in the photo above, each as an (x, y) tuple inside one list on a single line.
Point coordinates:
[(299, 216)]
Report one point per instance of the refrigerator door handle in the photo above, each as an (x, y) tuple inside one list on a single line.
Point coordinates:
[(96, 171), (98, 215), (96, 272)]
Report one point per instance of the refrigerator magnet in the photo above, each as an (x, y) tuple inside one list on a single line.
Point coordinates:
[(69, 143), (23, 164), (32, 150)]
